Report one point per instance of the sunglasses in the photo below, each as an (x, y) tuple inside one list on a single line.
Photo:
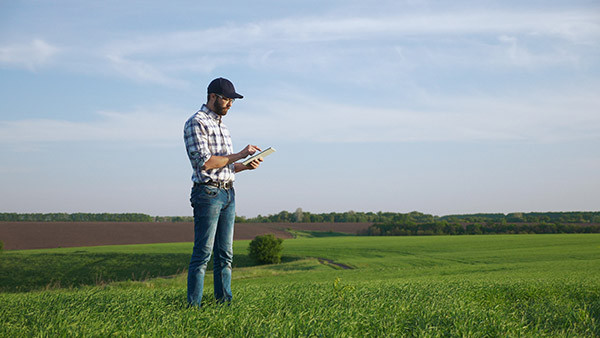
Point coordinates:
[(226, 99)]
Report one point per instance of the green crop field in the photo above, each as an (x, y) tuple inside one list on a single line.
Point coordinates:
[(500, 285)]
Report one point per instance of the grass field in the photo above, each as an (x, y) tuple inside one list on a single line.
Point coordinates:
[(514, 285)]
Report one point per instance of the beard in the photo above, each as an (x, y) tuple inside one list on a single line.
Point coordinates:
[(220, 108)]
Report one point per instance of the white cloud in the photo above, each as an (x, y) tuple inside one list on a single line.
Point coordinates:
[(298, 44), (28, 55), (572, 25), (470, 37), (513, 51), (143, 71), (156, 126), (539, 117)]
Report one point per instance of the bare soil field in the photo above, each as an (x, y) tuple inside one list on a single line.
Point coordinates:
[(42, 235)]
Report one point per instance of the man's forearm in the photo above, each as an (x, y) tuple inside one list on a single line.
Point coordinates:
[(215, 162), (239, 167)]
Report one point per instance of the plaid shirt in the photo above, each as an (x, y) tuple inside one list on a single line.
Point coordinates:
[(205, 135)]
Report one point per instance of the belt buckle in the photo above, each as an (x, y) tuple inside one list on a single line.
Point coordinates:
[(223, 185)]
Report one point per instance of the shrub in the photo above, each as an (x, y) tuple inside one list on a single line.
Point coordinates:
[(266, 249), (1, 246)]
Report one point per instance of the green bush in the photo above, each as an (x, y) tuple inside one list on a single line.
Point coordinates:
[(1, 246), (266, 249)]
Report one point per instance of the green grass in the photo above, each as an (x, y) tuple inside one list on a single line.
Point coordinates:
[(312, 234), (520, 285), (29, 270)]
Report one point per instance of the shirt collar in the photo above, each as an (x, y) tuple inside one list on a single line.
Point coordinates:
[(210, 113)]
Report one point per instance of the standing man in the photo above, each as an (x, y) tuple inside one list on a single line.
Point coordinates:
[(210, 151)]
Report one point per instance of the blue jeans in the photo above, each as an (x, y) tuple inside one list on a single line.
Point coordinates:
[(214, 217)]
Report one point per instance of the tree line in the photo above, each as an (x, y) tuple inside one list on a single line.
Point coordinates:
[(530, 217), (300, 216), (76, 217), (415, 224), (297, 216), (447, 228), (417, 217)]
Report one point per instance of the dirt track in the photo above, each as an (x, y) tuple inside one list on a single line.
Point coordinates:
[(40, 235)]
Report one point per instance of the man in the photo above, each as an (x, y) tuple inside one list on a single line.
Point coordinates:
[(210, 151)]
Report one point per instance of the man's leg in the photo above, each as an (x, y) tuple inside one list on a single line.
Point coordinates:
[(223, 250), (207, 208)]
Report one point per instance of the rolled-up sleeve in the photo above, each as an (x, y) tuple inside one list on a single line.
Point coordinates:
[(196, 143)]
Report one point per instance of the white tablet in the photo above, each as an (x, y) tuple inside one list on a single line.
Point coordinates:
[(263, 153)]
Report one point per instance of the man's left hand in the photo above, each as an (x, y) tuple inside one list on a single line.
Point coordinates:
[(254, 164)]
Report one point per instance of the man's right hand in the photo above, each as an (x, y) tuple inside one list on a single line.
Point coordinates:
[(249, 150)]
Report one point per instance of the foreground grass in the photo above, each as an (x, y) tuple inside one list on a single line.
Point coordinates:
[(456, 308), (542, 285)]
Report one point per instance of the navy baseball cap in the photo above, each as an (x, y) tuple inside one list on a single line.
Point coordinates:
[(223, 87)]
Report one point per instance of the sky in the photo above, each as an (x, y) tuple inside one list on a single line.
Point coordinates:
[(441, 107)]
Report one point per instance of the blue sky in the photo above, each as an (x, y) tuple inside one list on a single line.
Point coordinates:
[(434, 106)]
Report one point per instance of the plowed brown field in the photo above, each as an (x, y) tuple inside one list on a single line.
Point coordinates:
[(41, 235)]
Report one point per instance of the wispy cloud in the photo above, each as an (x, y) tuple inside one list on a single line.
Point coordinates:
[(294, 44), (143, 126), (31, 55), (537, 118), (476, 37), (286, 117), (143, 71)]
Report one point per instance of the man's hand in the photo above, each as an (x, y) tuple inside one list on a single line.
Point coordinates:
[(250, 166), (249, 150), (254, 164)]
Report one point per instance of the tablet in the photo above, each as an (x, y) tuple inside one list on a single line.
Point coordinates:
[(263, 153)]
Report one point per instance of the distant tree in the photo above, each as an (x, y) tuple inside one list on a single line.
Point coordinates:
[(281, 217), (515, 217), (266, 249), (298, 215)]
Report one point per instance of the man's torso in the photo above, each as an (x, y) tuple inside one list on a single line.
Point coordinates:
[(206, 135)]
